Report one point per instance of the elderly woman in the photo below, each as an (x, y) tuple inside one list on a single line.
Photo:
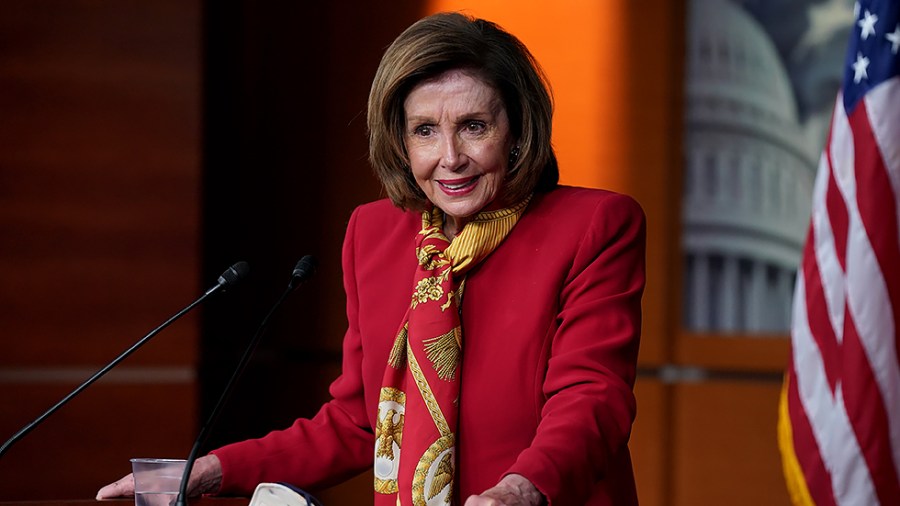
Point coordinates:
[(494, 316)]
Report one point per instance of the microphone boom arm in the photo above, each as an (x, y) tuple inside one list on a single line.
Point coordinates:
[(232, 275), (304, 269)]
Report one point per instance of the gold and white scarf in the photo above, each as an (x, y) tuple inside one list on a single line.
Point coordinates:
[(419, 403)]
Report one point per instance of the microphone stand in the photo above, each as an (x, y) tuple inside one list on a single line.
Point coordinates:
[(231, 276), (304, 269)]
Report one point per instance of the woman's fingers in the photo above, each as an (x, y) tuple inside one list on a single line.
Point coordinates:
[(120, 488)]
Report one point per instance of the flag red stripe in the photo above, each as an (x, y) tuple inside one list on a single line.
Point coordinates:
[(878, 208), (837, 216), (818, 480), (865, 409), (817, 311)]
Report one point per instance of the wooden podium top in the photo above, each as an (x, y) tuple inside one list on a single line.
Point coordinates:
[(128, 501)]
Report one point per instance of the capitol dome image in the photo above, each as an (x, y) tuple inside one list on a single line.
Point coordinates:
[(748, 176)]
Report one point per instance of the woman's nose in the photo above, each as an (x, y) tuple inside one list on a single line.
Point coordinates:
[(452, 157)]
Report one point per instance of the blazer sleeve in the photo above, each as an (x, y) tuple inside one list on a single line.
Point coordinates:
[(588, 388), (336, 444)]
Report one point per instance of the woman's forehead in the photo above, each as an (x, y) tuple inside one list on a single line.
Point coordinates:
[(453, 87)]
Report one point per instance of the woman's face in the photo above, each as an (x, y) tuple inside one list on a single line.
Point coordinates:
[(458, 140)]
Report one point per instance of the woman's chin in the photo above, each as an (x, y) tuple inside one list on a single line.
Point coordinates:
[(462, 209)]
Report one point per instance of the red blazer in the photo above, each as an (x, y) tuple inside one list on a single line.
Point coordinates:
[(551, 326)]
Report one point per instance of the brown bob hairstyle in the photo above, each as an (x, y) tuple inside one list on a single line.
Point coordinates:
[(448, 41)]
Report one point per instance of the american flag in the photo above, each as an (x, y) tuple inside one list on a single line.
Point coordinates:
[(839, 418)]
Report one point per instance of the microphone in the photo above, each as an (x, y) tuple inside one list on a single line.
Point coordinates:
[(229, 278), (304, 270)]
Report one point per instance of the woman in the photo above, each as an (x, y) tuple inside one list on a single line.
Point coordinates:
[(494, 317)]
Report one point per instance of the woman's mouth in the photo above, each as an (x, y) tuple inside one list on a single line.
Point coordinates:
[(457, 187)]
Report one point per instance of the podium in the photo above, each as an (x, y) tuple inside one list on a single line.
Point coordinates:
[(128, 501)]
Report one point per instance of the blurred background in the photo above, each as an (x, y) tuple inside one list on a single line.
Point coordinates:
[(146, 145)]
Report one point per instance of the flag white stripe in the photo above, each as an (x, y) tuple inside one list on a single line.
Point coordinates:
[(867, 294), (884, 116), (827, 416), (830, 270)]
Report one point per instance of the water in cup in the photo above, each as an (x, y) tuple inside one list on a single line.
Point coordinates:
[(156, 481), (155, 498)]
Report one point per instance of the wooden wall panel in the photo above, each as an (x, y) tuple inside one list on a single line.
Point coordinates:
[(99, 234), (98, 160), (723, 448), (87, 444), (653, 75), (760, 353), (649, 443)]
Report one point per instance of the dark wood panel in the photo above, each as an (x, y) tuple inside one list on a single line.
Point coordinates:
[(359, 490), (198, 501), (99, 233), (88, 442), (99, 175)]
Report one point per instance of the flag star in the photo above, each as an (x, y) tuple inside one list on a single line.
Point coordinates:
[(859, 68), (894, 38), (867, 24)]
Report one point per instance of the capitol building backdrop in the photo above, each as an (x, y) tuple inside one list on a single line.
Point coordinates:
[(759, 93)]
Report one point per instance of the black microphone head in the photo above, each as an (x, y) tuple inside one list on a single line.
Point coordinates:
[(304, 270), (234, 274)]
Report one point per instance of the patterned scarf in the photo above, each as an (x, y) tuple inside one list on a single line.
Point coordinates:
[(419, 402)]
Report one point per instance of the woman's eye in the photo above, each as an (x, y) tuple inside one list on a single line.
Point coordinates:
[(475, 127), (423, 130)]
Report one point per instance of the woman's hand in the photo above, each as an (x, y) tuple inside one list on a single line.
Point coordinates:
[(513, 490), (122, 487), (206, 476)]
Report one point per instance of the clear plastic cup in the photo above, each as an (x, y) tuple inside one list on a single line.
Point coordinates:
[(156, 481)]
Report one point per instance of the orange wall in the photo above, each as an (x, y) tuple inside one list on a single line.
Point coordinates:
[(580, 46)]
